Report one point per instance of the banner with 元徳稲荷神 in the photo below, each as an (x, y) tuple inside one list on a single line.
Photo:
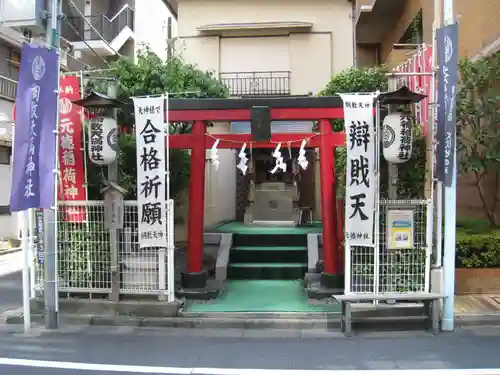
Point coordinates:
[(360, 173), (151, 184), (71, 156)]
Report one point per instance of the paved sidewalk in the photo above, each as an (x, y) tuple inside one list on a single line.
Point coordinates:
[(477, 304)]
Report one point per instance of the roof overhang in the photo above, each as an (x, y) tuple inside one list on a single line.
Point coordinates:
[(255, 28), (373, 22), (173, 6)]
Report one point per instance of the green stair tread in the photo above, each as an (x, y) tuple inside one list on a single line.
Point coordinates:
[(269, 248), (268, 265)]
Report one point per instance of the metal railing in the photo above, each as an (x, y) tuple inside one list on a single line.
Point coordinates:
[(8, 88), (274, 83), (109, 28), (84, 255), (381, 270)]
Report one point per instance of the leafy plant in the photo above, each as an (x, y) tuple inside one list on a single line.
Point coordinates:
[(83, 255), (150, 75), (478, 134), (478, 250)]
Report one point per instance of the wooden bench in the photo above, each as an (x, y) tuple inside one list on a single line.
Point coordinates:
[(431, 303)]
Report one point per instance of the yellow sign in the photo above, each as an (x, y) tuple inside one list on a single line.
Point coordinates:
[(400, 229)]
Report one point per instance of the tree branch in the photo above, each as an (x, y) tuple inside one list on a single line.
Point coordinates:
[(479, 186)]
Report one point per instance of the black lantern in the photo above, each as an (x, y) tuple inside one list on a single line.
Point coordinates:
[(401, 96)]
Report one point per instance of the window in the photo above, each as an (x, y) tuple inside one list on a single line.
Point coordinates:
[(14, 62), (5, 153)]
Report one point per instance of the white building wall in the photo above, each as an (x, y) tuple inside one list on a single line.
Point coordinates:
[(220, 194), (150, 23), (9, 223)]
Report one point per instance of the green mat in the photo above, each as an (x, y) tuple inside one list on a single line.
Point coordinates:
[(241, 228), (261, 296)]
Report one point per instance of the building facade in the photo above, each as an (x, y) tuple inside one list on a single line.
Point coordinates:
[(388, 31), (93, 33), (382, 24), (262, 48)]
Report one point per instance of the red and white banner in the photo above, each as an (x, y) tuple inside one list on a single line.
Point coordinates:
[(420, 62), (70, 149)]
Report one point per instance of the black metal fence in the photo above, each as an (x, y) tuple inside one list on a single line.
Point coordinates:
[(76, 28), (274, 83), (8, 88)]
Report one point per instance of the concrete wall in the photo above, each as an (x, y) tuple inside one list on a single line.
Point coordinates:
[(220, 185), (9, 223)]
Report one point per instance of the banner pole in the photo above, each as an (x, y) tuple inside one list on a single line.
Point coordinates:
[(26, 273), (450, 215), (31, 252), (51, 275)]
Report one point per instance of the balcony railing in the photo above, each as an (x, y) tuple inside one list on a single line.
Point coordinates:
[(109, 28), (8, 88), (275, 83)]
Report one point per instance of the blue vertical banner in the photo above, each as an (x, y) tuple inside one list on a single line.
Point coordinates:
[(34, 158), (447, 59)]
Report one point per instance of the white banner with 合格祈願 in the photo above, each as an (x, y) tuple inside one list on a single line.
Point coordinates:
[(360, 174), (151, 201)]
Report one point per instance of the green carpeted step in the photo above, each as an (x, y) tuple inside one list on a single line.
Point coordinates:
[(270, 248), (266, 271), (269, 265), (261, 296), (269, 239), (268, 254)]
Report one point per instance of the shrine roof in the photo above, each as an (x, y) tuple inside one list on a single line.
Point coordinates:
[(247, 103)]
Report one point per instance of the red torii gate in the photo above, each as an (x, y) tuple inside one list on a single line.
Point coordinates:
[(199, 111)]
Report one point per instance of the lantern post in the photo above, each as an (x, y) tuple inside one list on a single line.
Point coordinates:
[(390, 132), (107, 105)]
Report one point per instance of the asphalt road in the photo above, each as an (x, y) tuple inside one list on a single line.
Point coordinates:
[(96, 350), (106, 350)]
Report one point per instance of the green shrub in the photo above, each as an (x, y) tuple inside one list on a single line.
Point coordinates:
[(473, 226), (477, 250)]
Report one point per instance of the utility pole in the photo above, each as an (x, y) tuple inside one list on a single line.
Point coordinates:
[(392, 169), (450, 214), (50, 216), (113, 232)]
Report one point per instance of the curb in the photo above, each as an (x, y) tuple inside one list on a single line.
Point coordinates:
[(330, 323), (10, 251), (471, 320)]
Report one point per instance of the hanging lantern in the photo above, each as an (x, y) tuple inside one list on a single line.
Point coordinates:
[(102, 145), (397, 137)]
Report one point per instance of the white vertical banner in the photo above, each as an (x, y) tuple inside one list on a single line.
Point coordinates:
[(151, 185), (360, 169)]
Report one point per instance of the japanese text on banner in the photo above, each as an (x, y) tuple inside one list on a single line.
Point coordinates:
[(447, 47), (34, 156), (70, 142), (360, 179), (150, 138)]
